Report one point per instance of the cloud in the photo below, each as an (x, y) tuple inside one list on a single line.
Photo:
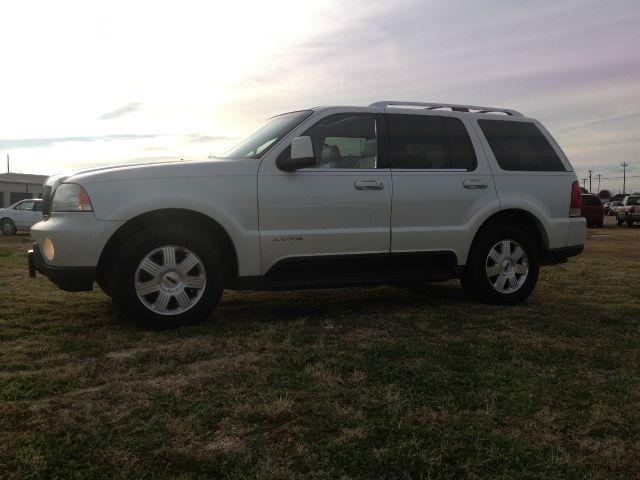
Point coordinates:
[(47, 142), (209, 138), (121, 112)]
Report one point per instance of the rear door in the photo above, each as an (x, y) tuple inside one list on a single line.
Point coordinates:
[(441, 187)]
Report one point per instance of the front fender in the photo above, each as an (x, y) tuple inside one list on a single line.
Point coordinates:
[(231, 201)]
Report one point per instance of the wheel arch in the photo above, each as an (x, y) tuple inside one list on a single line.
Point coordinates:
[(173, 216), (518, 218)]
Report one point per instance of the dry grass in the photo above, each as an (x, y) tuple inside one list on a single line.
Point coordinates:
[(348, 383)]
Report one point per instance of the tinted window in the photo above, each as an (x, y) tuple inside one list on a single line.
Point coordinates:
[(520, 146), (633, 201), (429, 142), (37, 207), (345, 141), (590, 200)]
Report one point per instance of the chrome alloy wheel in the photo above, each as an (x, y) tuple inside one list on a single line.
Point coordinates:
[(507, 266), (170, 280)]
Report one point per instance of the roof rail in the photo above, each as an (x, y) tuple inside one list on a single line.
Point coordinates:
[(452, 107)]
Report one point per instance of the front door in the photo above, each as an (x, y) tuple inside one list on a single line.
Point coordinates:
[(336, 210)]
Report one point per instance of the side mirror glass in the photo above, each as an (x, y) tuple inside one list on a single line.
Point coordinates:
[(301, 155)]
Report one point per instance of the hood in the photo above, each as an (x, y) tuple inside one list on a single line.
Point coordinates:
[(60, 177), (171, 169)]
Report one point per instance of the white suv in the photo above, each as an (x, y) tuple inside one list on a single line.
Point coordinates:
[(392, 193)]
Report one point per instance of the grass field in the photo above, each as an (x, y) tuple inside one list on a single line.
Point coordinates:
[(346, 383)]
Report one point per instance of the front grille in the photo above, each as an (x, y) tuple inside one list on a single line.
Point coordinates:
[(46, 201)]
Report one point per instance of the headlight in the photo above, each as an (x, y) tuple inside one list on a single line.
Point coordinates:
[(70, 197)]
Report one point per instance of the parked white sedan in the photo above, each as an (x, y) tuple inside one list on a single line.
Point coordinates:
[(20, 216)]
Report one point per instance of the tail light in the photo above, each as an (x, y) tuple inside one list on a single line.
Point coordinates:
[(631, 209), (576, 200)]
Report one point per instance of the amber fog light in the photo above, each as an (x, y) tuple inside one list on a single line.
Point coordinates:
[(47, 248)]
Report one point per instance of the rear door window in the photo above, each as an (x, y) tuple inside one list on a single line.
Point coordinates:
[(520, 146), (429, 142)]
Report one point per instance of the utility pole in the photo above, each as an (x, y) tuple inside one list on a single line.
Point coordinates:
[(599, 183), (590, 171), (624, 166), (8, 163), (584, 183)]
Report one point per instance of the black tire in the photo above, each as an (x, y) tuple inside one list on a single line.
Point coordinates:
[(629, 221), (103, 283), (485, 288), (619, 221), (8, 227), (179, 295)]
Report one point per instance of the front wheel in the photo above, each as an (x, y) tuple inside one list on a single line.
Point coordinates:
[(629, 221), (8, 227), (167, 277), (619, 220), (503, 267)]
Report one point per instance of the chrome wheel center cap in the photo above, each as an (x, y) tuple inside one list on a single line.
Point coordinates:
[(171, 282), (507, 266)]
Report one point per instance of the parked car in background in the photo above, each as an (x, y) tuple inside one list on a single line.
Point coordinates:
[(611, 207), (629, 211), (20, 216), (592, 210)]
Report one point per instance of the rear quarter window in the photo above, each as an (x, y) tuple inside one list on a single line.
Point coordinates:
[(520, 146), (590, 200)]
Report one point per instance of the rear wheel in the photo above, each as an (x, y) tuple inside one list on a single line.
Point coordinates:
[(502, 267), (8, 227), (166, 277)]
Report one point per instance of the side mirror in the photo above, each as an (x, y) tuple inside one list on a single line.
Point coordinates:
[(301, 155)]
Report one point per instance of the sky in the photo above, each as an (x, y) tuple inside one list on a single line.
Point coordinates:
[(101, 83)]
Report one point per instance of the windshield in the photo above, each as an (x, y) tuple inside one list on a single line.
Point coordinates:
[(259, 142)]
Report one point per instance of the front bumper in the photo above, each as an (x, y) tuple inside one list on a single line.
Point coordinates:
[(70, 279)]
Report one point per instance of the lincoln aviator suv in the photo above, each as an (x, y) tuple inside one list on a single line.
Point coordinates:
[(391, 193)]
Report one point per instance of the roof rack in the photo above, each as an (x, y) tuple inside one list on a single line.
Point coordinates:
[(452, 107)]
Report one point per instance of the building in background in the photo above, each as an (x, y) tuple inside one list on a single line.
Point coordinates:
[(18, 186)]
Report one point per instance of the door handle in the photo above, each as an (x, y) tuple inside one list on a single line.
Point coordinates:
[(368, 185), (474, 184)]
